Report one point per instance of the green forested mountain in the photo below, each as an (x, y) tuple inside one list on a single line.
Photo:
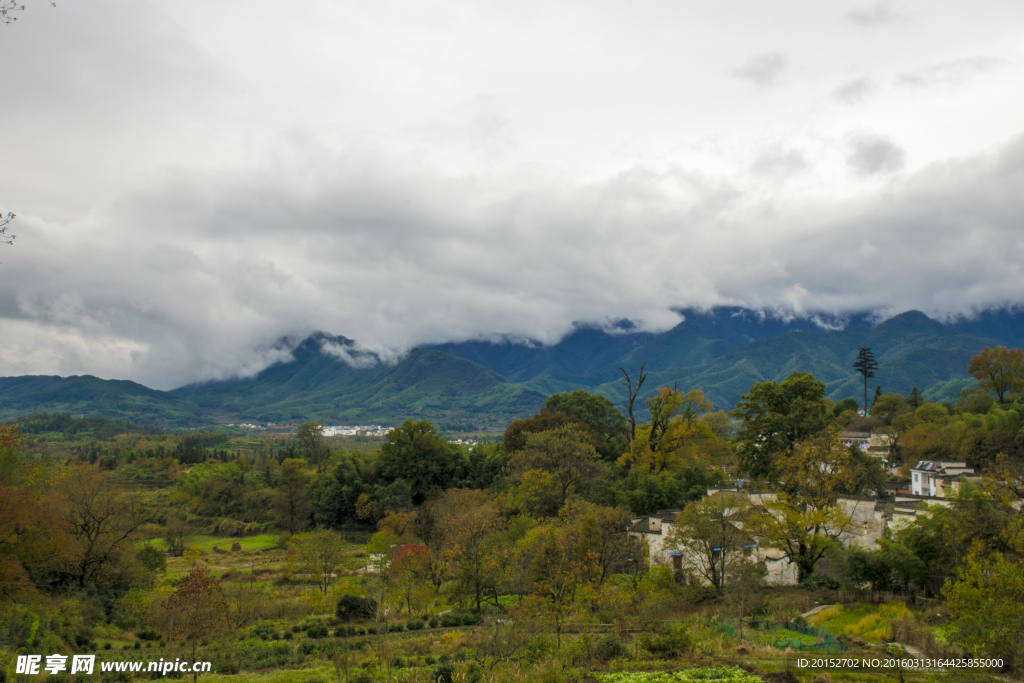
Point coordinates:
[(120, 400), (484, 384)]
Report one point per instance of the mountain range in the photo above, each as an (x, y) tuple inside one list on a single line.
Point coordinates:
[(474, 385)]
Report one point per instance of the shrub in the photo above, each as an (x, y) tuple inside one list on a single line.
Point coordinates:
[(147, 634), (288, 635), (445, 673), (433, 622), (673, 641), (609, 647), (362, 678), (398, 627), (414, 624), (361, 631), (317, 631), (306, 647), (353, 607)]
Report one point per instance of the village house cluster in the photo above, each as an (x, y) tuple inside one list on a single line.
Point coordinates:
[(867, 519)]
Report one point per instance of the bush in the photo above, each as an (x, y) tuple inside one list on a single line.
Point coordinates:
[(354, 608), (361, 631), (288, 635), (317, 631), (398, 627), (362, 678), (609, 647), (147, 634), (445, 673), (414, 624), (306, 647), (673, 641), (433, 622)]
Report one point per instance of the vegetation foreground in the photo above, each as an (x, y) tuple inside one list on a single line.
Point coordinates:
[(415, 559)]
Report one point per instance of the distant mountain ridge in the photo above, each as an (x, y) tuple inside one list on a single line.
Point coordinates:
[(486, 384)]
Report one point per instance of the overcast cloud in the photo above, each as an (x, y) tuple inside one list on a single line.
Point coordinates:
[(195, 181)]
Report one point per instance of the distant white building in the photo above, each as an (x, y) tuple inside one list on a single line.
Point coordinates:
[(867, 524), (937, 478)]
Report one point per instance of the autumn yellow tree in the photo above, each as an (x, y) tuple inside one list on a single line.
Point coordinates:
[(999, 370), (673, 436)]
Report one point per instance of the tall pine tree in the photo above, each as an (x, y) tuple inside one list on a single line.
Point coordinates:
[(865, 365)]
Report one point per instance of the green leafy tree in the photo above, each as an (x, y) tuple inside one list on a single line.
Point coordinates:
[(310, 436), (777, 416), (414, 452), (710, 536), (999, 370), (292, 501), (545, 420), (566, 453), (605, 421), (986, 607), (320, 552), (803, 518), (914, 398)]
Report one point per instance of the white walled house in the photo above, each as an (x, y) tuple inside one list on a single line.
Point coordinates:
[(868, 520), (937, 478)]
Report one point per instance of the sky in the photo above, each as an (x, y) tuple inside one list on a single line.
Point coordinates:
[(195, 180)]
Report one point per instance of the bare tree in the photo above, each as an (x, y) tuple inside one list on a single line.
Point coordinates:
[(5, 222), (8, 6), (101, 516), (633, 393)]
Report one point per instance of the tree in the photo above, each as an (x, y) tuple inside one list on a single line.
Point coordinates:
[(292, 502), (414, 452), (320, 552), (778, 416), (566, 453), (674, 425), (545, 420), (101, 516), (999, 370), (178, 533), (878, 395), (986, 607), (632, 392), (195, 611), (435, 526), (472, 550), (409, 570), (601, 531), (803, 518), (6, 7), (559, 567), (710, 535), (865, 365), (605, 421), (310, 436), (915, 399)]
